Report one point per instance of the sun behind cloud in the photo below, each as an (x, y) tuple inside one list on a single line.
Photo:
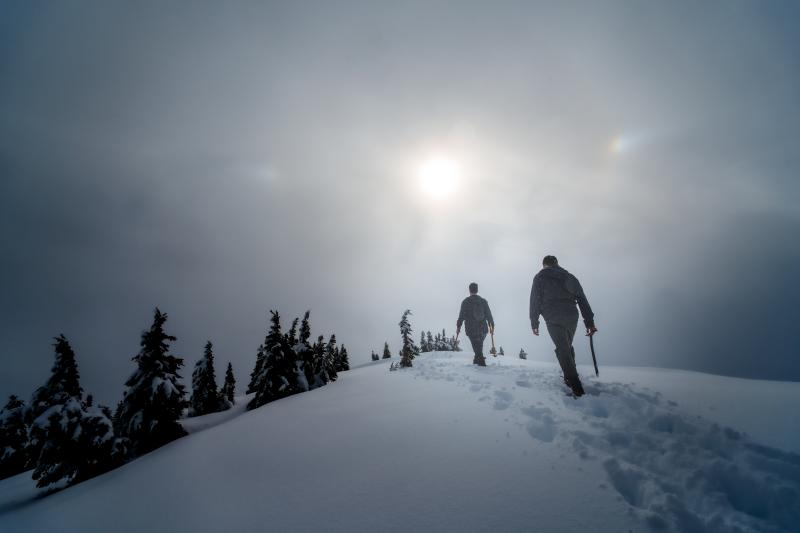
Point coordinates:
[(439, 176)]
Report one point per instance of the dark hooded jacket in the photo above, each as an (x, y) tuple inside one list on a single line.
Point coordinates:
[(554, 295), (475, 311)]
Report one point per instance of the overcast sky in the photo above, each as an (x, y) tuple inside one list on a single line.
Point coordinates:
[(220, 160)]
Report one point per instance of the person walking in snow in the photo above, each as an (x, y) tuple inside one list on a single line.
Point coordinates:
[(475, 312), (554, 295)]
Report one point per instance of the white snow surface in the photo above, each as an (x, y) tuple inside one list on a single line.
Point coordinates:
[(447, 446)]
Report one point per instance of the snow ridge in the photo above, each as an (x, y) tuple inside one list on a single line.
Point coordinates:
[(674, 471), (448, 446)]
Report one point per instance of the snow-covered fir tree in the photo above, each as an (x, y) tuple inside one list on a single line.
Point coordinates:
[(76, 441), (261, 354), (296, 365), (331, 358), (374, 356), (387, 354), (206, 398), (319, 353), (408, 350), (229, 386), (501, 352), (522, 354), (264, 358), (305, 329), (343, 360), (62, 385), (291, 336), (305, 358), (278, 377), (154, 398), (337, 358), (292, 364), (13, 438)]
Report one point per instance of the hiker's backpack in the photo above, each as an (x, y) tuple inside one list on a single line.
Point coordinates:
[(478, 314)]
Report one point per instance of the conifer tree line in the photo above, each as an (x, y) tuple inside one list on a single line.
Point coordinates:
[(65, 438), (288, 363), (438, 343)]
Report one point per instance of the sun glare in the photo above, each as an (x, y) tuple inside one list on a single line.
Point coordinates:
[(439, 176)]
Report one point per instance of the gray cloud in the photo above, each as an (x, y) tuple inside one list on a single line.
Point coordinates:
[(221, 161)]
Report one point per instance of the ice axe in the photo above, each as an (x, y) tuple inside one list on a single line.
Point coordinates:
[(492, 351), (594, 357)]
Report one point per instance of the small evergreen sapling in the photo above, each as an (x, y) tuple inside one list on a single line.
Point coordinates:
[(387, 354), (522, 354)]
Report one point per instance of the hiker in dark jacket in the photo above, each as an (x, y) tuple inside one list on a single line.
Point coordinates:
[(554, 295), (475, 311)]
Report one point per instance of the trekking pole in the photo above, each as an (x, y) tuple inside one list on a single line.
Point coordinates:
[(594, 357)]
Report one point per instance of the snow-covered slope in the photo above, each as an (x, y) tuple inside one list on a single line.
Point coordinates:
[(446, 446)]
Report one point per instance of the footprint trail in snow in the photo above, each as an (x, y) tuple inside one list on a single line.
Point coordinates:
[(674, 470)]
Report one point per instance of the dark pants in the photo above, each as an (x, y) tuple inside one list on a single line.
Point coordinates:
[(562, 335), (477, 347)]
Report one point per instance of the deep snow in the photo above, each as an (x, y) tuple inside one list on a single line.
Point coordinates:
[(446, 446)]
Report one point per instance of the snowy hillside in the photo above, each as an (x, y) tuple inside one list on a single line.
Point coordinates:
[(446, 446)]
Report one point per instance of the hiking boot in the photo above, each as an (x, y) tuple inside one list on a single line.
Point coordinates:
[(480, 361), (577, 389)]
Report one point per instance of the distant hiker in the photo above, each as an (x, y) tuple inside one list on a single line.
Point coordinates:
[(475, 311), (554, 295)]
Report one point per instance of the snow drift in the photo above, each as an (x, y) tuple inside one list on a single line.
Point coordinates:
[(447, 446)]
